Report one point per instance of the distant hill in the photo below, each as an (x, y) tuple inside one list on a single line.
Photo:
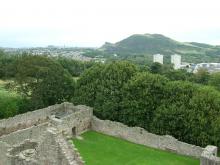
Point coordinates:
[(145, 45)]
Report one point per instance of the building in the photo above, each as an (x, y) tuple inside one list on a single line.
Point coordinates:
[(176, 61), (210, 67), (158, 58)]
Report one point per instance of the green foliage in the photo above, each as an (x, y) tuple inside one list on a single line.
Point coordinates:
[(99, 149), (186, 110), (206, 117), (87, 86), (74, 67), (7, 65), (172, 115), (156, 68), (180, 74), (10, 102), (202, 76), (142, 95), (101, 87), (214, 80), (43, 80)]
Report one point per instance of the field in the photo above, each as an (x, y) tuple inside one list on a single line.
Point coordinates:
[(9, 101), (99, 149)]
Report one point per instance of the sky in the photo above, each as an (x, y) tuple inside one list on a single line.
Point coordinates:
[(90, 23)]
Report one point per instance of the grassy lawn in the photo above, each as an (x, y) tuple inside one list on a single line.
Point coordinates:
[(99, 149)]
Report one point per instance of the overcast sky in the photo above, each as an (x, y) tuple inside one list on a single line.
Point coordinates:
[(25, 23)]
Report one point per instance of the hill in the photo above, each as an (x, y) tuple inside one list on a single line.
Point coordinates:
[(145, 45)]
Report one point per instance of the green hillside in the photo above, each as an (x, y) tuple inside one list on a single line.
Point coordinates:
[(146, 45)]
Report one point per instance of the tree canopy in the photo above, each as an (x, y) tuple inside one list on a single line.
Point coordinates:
[(43, 80)]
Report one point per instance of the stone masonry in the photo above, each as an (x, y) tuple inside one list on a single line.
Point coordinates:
[(43, 137)]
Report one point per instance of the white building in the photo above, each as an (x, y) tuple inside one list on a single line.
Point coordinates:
[(176, 61), (210, 67), (158, 58)]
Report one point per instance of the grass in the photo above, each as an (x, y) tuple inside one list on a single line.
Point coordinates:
[(99, 149), (9, 101)]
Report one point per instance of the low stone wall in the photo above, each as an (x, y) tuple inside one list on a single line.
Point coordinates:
[(55, 150), (17, 137), (27, 119), (140, 136), (3, 151), (36, 117), (79, 121), (209, 156)]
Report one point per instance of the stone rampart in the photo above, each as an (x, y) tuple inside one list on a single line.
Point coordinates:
[(36, 117), (140, 136), (4, 147), (26, 120), (209, 156), (79, 120), (40, 137), (33, 132)]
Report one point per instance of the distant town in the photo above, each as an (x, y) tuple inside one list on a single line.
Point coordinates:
[(190, 67), (77, 53), (57, 51)]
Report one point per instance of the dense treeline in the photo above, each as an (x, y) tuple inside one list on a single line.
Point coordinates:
[(8, 64), (201, 77), (120, 91), (75, 68), (157, 98), (33, 82)]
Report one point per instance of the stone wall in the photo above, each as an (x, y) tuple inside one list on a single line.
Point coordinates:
[(51, 128), (27, 119), (40, 137), (3, 151), (17, 137), (22, 154), (209, 156), (36, 117), (79, 120), (140, 136), (56, 150)]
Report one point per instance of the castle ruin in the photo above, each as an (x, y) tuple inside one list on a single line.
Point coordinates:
[(44, 137)]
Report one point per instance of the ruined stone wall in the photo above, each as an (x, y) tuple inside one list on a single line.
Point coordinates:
[(36, 117), (22, 154), (27, 119), (17, 137), (140, 136), (3, 151), (209, 156), (80, 120), (56, 150)]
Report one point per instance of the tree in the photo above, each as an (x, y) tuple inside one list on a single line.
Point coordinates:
[(101, 87), (180, 74), (205, 117), (202, 76), (74, 67), (7, 65), (142, 95), (43, 81), (87, 86), (190, 113), (156, 68), (172, 115), (214, 80)]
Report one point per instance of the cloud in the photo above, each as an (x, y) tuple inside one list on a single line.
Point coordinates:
[(82, 22)]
